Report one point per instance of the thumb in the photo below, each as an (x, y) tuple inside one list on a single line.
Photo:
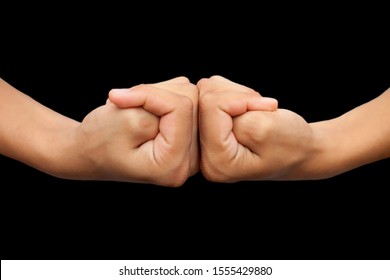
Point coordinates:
[(120, 97), (263, 104), (237, 106)]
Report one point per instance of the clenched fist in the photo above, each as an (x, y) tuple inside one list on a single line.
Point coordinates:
[(173, 154), (224, 157), (149, 134)]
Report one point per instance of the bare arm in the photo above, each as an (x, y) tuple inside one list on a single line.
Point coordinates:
[(358, 137), (281, 145), (31, 132), (150, 145)]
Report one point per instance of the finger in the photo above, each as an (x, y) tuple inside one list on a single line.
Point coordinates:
[(118, 97), (246, 99), (216, 112), (140, 96), (143, 126), (183, 87), (218, 84), (116, 94), (215, 127), (180, 86), (226, 83), (177, 80), (239, 104)]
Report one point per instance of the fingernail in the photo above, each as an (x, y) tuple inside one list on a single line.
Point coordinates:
[(273, 101), (270, 99), (119, 91)]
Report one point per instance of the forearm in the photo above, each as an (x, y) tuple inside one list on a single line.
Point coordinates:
[(31, 132), (358, 137)]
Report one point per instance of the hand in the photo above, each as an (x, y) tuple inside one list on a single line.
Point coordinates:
[(276, 146), (174, 153), (114, 144), (221, 102), (150, 143)]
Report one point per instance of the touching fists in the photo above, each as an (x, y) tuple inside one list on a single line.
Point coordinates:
[(149, 134)]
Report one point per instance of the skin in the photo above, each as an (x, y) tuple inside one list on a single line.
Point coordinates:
[(180, 87), (149, 134), (150, 143), (246, 142)]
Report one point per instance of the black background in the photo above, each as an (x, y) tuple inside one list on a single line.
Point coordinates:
[(319, 67)]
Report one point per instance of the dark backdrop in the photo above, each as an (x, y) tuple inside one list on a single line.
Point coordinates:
[(313, 68)]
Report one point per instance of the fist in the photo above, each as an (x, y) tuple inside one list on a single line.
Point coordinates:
[(173, 154), (224, 158)]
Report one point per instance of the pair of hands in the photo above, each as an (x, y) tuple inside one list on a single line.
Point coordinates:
[(149, 134)]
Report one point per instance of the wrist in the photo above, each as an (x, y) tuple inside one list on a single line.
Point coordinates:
[(324, 161), (62, 152), (307, 162)]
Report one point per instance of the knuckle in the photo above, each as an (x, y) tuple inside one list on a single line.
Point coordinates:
[(140, 87), (193, 90), (204, 84), (202, 81), (185, 103), (216, 77), (254, 126), (208, 99), (147, 121), (186, 89), (182, 79), (138, 118)]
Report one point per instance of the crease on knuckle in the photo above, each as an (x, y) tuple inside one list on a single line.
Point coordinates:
[(253, 127)]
